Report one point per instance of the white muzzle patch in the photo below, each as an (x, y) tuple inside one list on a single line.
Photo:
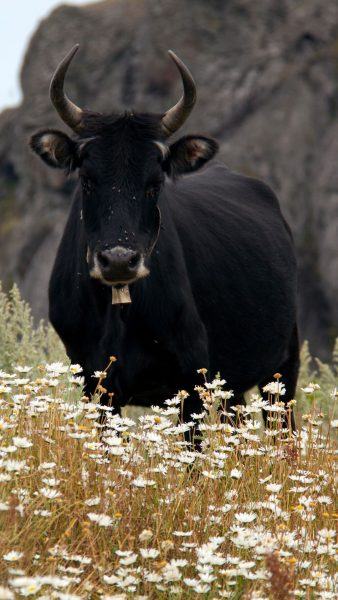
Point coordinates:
[(121, 294)]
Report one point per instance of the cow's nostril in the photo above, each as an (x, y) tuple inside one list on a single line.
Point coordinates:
[(134, 260)]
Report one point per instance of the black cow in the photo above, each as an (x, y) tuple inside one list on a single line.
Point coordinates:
[(205, 255)]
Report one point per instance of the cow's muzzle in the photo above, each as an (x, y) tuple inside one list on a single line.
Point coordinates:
[(118, 265)]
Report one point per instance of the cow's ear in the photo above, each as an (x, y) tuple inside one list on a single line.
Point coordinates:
[(189, 154), (55, 148)]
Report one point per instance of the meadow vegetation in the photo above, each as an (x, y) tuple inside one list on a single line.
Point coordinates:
[(129, 510)]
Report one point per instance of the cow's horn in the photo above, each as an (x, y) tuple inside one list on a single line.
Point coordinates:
[(68, 111), (175, 116)]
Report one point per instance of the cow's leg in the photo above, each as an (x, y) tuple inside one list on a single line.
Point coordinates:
[(93, 348), (91, 362), (190, 345), (227, 407), (289, 371), (192, 404), (90, 383), (83, 358)]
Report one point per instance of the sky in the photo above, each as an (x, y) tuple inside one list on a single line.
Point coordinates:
[(18, 21)]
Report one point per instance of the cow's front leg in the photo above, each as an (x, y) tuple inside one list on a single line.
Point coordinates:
[(106, 387), (103, 362), (192, 405), (190, 346), (102, 388)]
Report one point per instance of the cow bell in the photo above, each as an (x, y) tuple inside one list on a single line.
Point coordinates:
[(121, 295)]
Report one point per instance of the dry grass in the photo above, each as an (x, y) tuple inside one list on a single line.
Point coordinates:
[(129, 511)]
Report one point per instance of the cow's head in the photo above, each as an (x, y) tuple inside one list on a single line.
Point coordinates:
[(122, 162)]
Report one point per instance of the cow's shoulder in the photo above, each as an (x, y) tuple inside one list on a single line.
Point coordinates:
[(218, 191)]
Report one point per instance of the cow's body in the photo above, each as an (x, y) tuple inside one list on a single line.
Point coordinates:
[(214, 287), (221, 293)]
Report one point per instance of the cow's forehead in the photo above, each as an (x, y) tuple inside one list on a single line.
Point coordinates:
[(128, 139), (137, 126)]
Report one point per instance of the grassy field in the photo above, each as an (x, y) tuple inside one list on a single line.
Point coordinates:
[(129, 511)]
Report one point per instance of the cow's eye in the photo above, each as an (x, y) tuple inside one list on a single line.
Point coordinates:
[(153, 190)]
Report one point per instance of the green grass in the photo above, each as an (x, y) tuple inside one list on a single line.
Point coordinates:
[(20, 341)]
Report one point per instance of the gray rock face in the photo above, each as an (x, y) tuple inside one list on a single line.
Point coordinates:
[(267, 75)]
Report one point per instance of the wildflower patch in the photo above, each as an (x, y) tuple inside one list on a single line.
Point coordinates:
[(128, 509)]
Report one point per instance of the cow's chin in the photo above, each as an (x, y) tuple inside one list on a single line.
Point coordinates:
[(141, 272), (118, 284)]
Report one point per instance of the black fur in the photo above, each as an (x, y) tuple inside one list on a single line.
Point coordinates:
[(221, 292)]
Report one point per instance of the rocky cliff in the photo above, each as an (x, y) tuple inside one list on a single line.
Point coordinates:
[(267, 75)]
